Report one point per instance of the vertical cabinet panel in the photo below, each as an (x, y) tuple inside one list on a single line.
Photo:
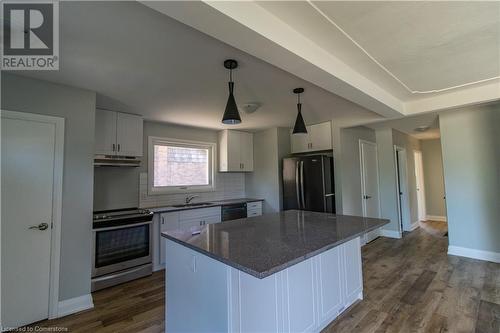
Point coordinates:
[(105, 132), (300, 297), (259, 303), (330, 284), (353, 271), (129, 134)]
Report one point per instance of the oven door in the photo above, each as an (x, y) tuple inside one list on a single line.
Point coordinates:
[(121, 247)]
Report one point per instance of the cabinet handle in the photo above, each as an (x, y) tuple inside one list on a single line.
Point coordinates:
[(114, 147), (118, 147), (162, 220), (243, 165)]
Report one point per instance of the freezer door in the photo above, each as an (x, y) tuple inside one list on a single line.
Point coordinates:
[(291, 184), (312, 183)]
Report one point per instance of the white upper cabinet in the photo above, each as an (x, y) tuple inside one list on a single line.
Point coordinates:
[(129, 134), (118, 133), (318, 137), (105, 132), (235, 151)]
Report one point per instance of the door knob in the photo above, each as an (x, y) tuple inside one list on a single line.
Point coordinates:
[(41, 226)]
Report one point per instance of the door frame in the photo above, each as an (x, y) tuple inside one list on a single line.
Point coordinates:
[(405, 219), (361, 164), (55, 246), (419, 178)]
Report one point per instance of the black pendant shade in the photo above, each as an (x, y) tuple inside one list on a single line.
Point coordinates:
[(300, 126), (231, 115)]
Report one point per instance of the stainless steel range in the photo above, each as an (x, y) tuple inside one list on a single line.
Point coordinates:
[(121, 246)]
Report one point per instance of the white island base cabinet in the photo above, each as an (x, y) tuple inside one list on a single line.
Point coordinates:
[(205, 295)]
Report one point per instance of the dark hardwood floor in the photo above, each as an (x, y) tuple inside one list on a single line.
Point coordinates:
[(410, 285)]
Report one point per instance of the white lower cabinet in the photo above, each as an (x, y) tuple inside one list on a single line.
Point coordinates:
[(305, 297), (186, 219), (254, 208)]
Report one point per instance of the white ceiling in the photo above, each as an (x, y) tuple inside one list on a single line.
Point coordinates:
[(393, 57), (141, 61), (409, 124), (410, 47)]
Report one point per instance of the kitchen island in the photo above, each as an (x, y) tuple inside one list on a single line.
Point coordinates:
[(290, 271)]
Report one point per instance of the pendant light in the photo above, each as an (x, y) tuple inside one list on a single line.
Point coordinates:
[(300, 126), (231, 114)]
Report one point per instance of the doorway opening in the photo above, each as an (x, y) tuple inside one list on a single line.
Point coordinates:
[(419, 179), (403, 201)]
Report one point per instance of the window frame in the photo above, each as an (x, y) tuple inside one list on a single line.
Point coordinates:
[(212, 158)]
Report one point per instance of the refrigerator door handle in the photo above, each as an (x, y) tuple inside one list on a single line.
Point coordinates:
[(329, 194), (302, 183), (297, 184)]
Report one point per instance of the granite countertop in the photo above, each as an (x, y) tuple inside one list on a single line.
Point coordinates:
[(266, 244), (215, 203)]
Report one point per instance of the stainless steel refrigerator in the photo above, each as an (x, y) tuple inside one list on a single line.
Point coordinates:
[(308, 183)]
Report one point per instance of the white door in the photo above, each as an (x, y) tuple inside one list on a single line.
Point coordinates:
[(29, 151), (246, 149), (105, 132), (419, 177), (128, 134), (369, 184)]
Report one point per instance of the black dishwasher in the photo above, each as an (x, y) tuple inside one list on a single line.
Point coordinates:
[(234, 211)]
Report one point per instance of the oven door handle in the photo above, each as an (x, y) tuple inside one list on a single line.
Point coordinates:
[(123, 226)]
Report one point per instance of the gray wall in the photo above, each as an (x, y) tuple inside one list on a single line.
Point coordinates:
[(387, 178), (410, 144), (77, 107), (270, 146), (433, 177), (349, 177), (470, 141)]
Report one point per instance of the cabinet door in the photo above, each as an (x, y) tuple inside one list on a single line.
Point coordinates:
[(168, 221), (246, 151), (129, 134), (330, 284), (233, 151), (299, 142), (105, 132), (320, 136), (353, 277)]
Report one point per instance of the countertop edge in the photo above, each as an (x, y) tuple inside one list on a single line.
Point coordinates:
[(276, 269)]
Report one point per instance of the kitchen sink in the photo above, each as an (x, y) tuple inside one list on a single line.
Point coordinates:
[(197, 204)]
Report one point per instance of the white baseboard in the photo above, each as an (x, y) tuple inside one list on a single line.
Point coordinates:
[(435, 218), (473, 253), (390, 233), (412, 226), (158, 267), (73, 305)]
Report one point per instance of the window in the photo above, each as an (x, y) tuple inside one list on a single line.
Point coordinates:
[(177, 166)]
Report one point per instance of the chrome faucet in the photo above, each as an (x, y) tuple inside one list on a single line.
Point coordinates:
[(189, 198)]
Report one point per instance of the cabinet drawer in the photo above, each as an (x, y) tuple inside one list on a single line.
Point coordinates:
[(196, 222), (198, 213), (254, 205), (254, 212)]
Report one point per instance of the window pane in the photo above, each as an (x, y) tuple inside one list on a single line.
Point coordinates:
[(180, 166)]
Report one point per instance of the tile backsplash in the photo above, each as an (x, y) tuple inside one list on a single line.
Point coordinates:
[(227, 186)]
